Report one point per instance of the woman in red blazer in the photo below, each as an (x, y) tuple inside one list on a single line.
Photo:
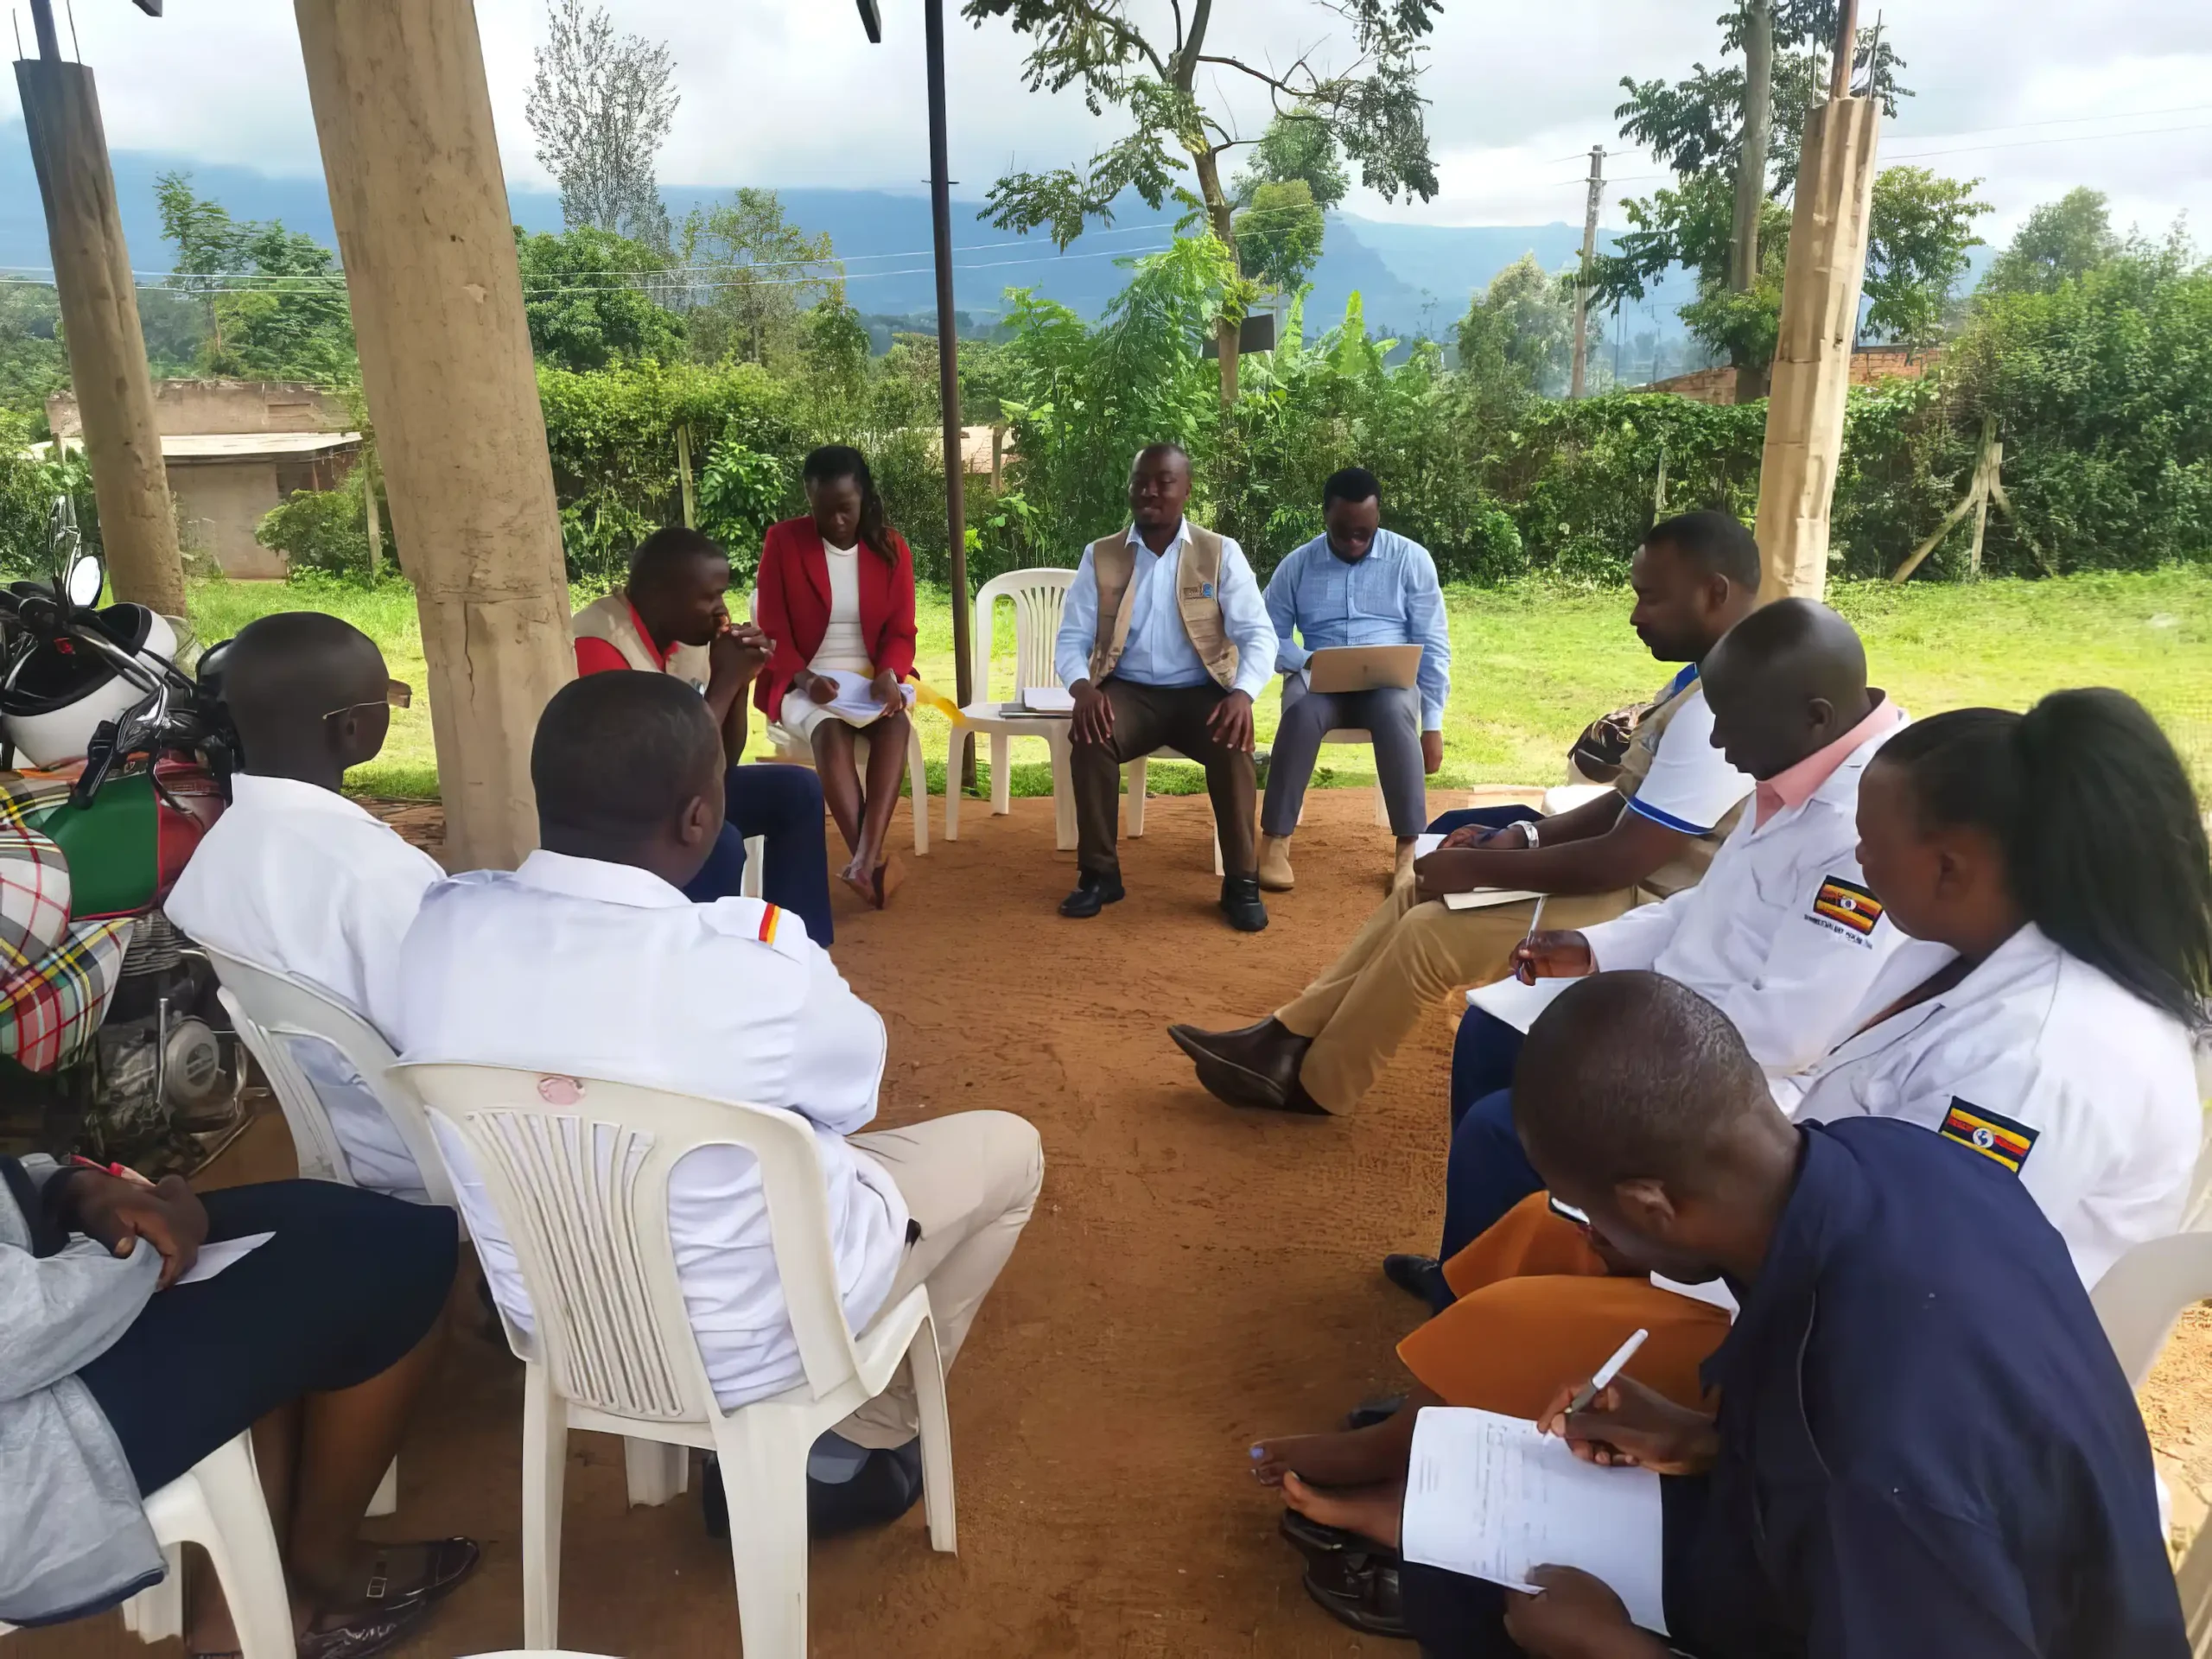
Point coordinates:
[(836, 595)]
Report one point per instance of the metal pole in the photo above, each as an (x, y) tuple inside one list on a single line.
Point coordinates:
[(948, 374), (49, 43), (1582, 285)]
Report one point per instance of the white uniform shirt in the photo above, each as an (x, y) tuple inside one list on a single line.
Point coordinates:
[(303, 881), (595, 970), (1691, 786), (1777, 935), (1159, 650), (2038, 1060)]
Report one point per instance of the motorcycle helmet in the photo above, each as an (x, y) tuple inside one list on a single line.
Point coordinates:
[(63, 689)]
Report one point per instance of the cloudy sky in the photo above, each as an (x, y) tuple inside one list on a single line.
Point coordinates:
[(2031, 96)]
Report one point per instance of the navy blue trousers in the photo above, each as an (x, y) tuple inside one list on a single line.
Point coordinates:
[(783, 804)]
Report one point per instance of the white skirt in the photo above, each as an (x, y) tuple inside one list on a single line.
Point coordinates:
[(801, 715)]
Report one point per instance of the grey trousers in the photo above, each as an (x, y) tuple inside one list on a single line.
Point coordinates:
[(1394, 717)]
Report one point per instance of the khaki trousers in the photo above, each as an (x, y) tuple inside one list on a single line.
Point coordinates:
[(970, 1181), (1404, 960)]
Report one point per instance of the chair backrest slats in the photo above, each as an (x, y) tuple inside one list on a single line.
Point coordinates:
[(1038, 595), (577, 1170)]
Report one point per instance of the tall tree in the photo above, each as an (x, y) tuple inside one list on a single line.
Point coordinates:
[(275, 300), (1518, 334), (2061, 240), (1283, 198), (1370, 107), (601, 104), (754, 275), (594, 298)]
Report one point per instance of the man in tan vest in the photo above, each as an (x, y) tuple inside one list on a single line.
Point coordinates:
[(1164, 643), (1677, 797)]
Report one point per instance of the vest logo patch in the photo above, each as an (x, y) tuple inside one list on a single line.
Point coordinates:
[(1205, 590), (1848, 905), (1994, 1136)]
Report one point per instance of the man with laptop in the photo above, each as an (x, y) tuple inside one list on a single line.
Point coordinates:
[(1373, 655)]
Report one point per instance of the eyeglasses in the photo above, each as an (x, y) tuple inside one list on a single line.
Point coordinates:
[(396, 695)]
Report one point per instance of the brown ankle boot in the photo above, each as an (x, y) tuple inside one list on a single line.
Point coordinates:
[(1274, 864)]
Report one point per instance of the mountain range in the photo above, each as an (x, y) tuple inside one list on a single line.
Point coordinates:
[(1413, 278)]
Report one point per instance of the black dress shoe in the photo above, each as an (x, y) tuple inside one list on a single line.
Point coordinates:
[(1422, 1276), (1240, 902), (1092, 894), (886, 1488), (1361, 1591)]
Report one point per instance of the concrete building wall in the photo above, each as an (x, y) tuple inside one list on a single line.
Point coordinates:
[(198, 407), (217, 506), (1869, 365)]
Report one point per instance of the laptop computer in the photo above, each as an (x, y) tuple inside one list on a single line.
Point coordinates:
[(1362, 668)]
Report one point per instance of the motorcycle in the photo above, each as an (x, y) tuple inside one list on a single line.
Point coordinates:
[(113, 760)]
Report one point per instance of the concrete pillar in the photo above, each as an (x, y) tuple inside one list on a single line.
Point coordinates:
[(99, 316), (404, 119), (1812, 359)]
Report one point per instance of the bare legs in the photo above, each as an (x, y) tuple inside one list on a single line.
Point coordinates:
[(321, 1458), (863, 810), (1352, 1478)]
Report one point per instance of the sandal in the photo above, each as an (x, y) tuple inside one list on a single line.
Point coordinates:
[(364, 1634)]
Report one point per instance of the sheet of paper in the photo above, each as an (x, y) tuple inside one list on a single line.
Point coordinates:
[(1486, 898), (855, 704), (1493, 1498), (1516, 1004), (213, 1258), (1048, 699), (1424, 845)]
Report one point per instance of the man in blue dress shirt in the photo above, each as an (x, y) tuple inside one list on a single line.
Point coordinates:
[(1164, 643), (1357, 584)]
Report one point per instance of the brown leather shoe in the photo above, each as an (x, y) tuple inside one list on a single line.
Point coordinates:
[(1254, 1066), (1276, 875)]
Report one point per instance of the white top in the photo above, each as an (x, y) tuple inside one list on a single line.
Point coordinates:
[(302, 881), (1751, 937), (2033, 1046), (1158, 650), (843, 645), (604, 970), (1691, 786)]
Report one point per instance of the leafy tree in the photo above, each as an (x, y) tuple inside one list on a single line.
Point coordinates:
[(1297, 146), (1518, 335), (2061, 240), (754, 276), (274, 299), (1727, 222), (593, 298), (601, 104), (1278, 234), (1371, 108), (33, 362)]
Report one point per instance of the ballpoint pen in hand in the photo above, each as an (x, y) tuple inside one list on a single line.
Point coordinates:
[(1606, 1372)]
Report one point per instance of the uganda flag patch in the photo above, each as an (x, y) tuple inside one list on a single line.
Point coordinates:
[(1848, 905), (1994, 1136), (771, 918)]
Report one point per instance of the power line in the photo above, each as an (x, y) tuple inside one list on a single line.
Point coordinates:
[(2068, 138)]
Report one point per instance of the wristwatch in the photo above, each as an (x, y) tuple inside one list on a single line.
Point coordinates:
[(1528, 828)]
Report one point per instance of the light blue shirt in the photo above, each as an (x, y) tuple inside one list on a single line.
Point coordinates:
[(1389, 598), (1159, 650)]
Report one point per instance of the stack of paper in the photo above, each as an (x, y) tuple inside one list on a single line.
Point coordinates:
[(1476, 898), (1494, 1499), (856, 703)]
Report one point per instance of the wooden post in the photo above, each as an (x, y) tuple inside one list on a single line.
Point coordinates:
[(1577, 377), (1812, 358), (683, 472), (404, 120), (374, 519), (99, 319)]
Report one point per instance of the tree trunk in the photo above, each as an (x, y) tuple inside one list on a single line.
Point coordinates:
[(1223, 217), (1750, 165)]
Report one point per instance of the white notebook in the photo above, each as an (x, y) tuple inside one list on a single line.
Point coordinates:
[(1494, 1499), (1476, 898), (1048, 700)]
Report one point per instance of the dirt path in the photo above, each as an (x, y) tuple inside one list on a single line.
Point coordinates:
[(1194, 1276)]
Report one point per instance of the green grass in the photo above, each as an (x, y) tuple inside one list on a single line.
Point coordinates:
[(1531, 665)]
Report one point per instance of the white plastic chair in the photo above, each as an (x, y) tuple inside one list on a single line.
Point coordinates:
[(218, 1505), (789, 748), (756, 850), (1037, 597), (1362, 738), (577, 1170)]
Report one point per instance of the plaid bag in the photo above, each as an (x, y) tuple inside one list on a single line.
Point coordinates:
[(34, 896), (51, 1009), (27, 797)]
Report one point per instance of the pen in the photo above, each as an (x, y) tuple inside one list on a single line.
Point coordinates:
[(1607, 1373), (1526, 971)]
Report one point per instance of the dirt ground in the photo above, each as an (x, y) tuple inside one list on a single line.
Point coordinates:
[(1195, 1276)]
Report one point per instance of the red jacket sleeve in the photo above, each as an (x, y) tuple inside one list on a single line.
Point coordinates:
[(894, 648), (774, 616), (597, 656)]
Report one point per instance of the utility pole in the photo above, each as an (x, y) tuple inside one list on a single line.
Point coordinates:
[(99, 319), (948, 382), (1582, 287)]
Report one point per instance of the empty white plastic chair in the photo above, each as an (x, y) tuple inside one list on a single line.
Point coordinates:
[(217, 1504), (1037, 596), (577, 1170), (2143, 1295), (789, 748)]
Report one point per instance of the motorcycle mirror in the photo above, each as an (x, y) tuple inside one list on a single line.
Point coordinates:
[(83, 580)]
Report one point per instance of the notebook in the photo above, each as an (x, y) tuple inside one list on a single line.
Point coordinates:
[(1494, 1499), (854, 703), (1475, 897)]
